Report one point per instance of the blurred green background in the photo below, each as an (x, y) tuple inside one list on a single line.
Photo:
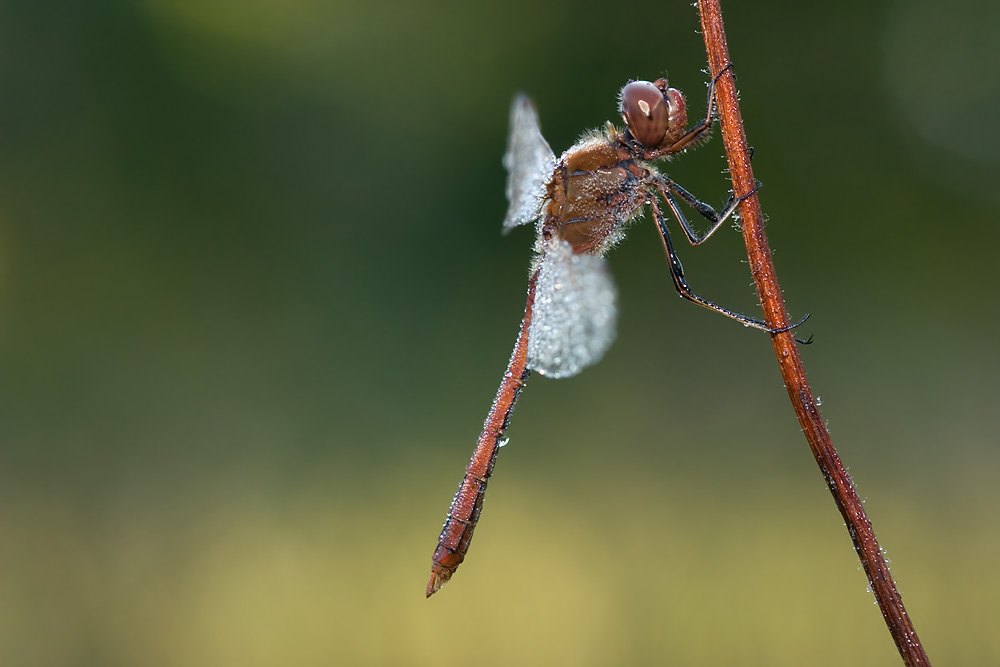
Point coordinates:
[(254, 305)]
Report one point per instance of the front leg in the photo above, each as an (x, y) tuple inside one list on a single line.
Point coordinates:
[(696, 134)]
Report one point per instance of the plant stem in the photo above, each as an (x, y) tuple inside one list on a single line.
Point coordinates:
[(786, 351)]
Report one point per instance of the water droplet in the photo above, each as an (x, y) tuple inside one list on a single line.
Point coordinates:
[(502, 441)]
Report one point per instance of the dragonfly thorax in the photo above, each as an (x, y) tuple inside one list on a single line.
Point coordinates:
[(596, 189)]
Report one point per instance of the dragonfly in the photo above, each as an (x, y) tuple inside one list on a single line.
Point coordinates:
[(581, 205)]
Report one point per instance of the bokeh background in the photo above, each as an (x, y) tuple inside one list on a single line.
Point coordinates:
[(254, 305)]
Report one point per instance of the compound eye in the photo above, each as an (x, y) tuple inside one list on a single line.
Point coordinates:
[(645, 112)]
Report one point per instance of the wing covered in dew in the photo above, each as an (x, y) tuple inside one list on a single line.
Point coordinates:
[(529, 162), (573, 318)]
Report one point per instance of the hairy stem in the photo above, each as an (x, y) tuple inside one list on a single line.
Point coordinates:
[(789, 361)]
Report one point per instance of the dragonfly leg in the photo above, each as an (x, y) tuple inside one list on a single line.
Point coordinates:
[(665, 186), (682, 287), (700, 131)]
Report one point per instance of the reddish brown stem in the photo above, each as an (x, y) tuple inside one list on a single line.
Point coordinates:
[(799, 391), (468, 502)]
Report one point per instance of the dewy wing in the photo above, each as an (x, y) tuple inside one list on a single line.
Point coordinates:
[(529, 162), (573, 324)]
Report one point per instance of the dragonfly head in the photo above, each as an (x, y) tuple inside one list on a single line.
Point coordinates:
[(654, 113)]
